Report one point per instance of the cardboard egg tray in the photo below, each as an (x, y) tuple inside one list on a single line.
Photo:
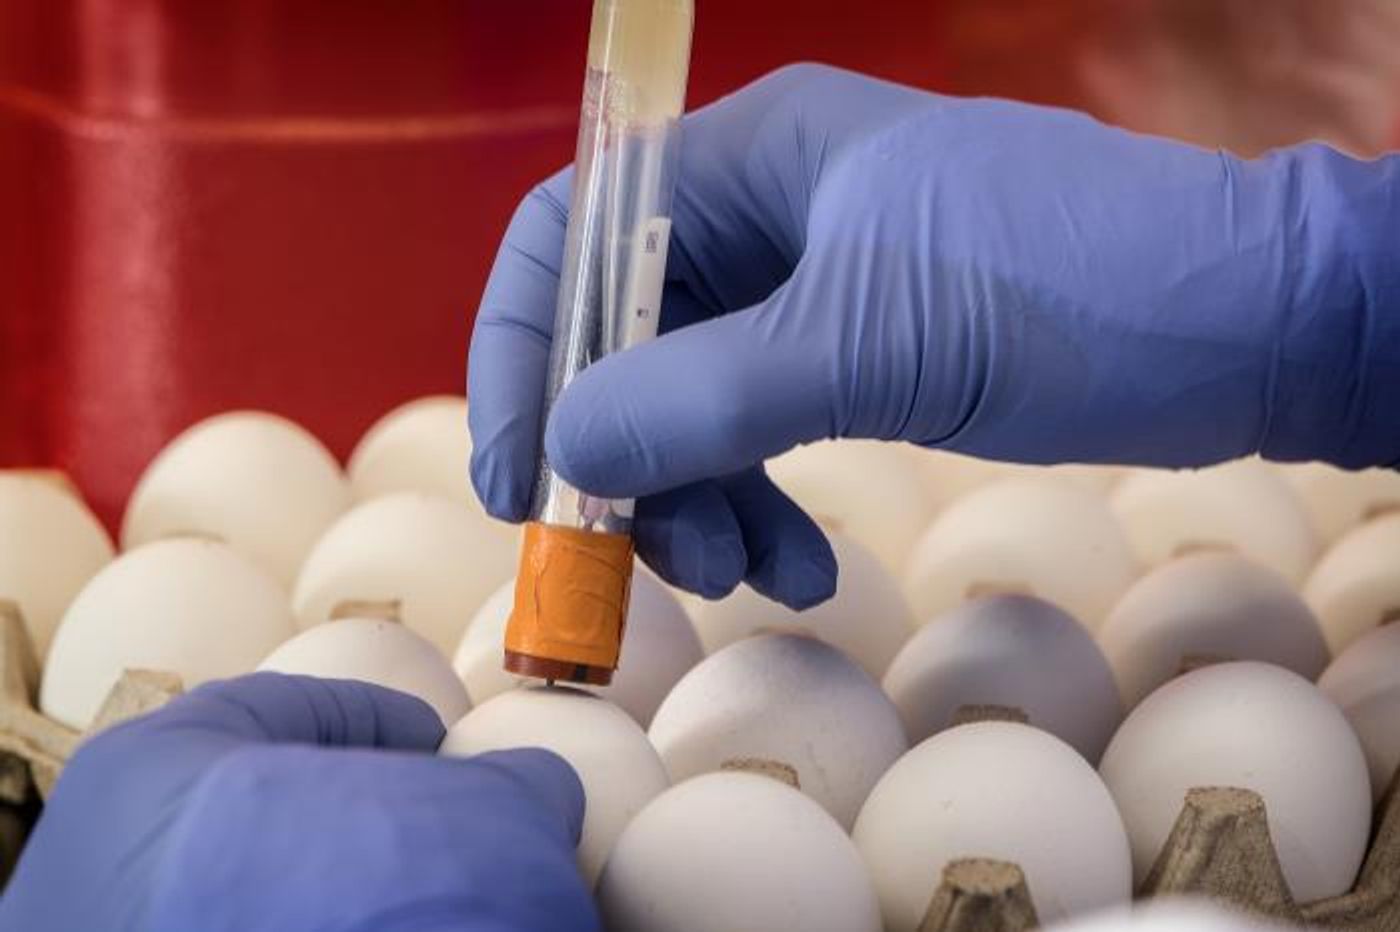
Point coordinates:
[(1219, 848), (34, 747)]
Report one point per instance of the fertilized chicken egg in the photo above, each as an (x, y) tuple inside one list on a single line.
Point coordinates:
[(617, 766), (1253, 726), (189, 606), (866, 488), (1356, 585), (788, 698), (1007, 650), (1243, 506), (421, 446), (868, 617), (50, 546), (1339, 499), (374, 650), (1364, 682), (1170, 914), (997, 790), (258, 482), (439, 559), (948, 476), (1202, 608), (735, 852), (1045, 537), (658, 646)]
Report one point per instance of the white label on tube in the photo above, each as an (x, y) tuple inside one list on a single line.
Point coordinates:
[(648, 276)]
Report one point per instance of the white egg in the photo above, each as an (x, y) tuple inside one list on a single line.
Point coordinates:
[(438, 558), (658, 646), (868, 618), (1364, 681), (1258, 727), (949, 476), (50, 546), (1203, 608), (256, 481), (1171, 914), (866, 488), (995, 790), (421, 446), (375, 651), (1008, 650), (618, 768), (1044, 537), (1339, 499), (1356, 584), (788, 698), (1243, 506), (187, 606), (735, 852)]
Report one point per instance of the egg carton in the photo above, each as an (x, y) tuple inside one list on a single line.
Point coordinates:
[(34, 747), (1219, 848)]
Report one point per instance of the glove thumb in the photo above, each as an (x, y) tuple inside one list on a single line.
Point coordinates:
[(706, 400)]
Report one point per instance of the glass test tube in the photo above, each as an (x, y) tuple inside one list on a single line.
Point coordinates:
[(609, 299)]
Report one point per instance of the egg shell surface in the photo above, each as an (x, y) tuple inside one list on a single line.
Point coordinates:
[(437, 558), (1355, 587), (372, 650), (420, 446), (50, 546), (188, 606), (618, 768), (256, 481), (865, 488), (1258, 727), (735, 852), (868, 618), (1008, 650), (997, 790), (1046, 537), (788, 698), (1364, 682), (1242, 505), (1206, 607)]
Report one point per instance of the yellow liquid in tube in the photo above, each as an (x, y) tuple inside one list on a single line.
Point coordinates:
[(645, 46)]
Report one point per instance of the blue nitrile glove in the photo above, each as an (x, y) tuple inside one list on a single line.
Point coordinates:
[(852, 258), (275, 802)]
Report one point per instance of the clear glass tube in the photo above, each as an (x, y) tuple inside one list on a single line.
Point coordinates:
[(619, 217)]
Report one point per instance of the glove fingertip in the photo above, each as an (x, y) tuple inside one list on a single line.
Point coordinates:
[(498, 489), (810, 584)]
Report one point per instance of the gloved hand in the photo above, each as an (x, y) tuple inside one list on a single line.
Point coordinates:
[(852, 258), (286, 802)]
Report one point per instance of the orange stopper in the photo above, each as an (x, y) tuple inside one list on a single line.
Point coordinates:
[(570, 604)]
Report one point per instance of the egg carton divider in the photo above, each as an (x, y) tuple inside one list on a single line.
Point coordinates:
[(34, 747), (778, 770), (980, 895)]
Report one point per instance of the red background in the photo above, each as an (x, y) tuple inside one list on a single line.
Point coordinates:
[(292, 204)]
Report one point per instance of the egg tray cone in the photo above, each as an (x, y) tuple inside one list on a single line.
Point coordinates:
[(1219, 848), (34, 747)]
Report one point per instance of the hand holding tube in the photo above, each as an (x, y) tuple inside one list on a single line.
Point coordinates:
[(853, 258)]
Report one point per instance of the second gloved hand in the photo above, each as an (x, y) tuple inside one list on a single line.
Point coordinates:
[(276, 802), (851, 258)]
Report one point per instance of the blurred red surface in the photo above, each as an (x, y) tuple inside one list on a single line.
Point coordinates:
[(293, 204)]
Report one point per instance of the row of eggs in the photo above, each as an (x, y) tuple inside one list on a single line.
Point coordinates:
[(196, 606)]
